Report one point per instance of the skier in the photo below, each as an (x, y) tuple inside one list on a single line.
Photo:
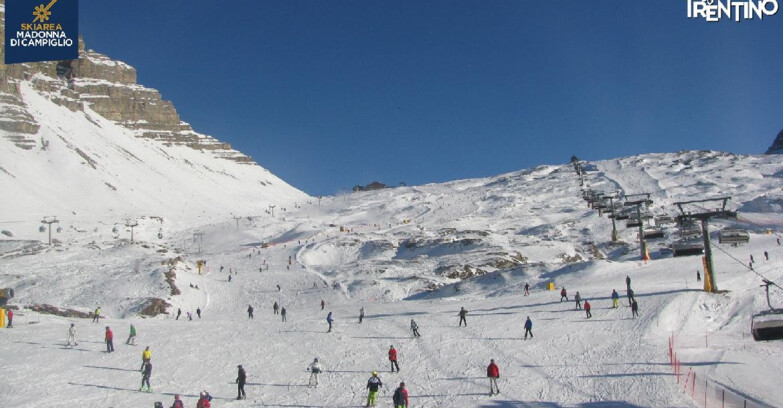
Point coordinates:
[(373, 384), (275, 307), (132, 335), (587, 309), (96, 315), (462, 314), (578, 300), (400, 398), (203, 401), (361, 315), (634, 309), (241, 376), (109, 337), (315, 369), (493, 373), (72, 335), (698, 276), (415, 328), (229, 278), (528, 328), (615, 299), (279, 289), (282, 314), (179, 312), (527, 289), (146, 356), (322, 304), (563, 294), (145, 377), (10, 318), (393, 358), (249, 311), (190, 316), (751, 259), (630, 296), (329, 320), (627, 282), (766, 255), (198, 312), (177, 402)]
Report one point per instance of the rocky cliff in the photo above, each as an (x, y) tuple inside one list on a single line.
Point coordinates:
[(109, 88), (777, 145)]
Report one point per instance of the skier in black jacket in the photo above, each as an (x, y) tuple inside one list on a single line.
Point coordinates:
[(241, 383)]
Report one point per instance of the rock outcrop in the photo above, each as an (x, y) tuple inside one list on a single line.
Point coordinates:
[(109, 88), (777, 145)]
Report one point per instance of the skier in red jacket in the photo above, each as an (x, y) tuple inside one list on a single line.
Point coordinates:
[(493, 373), (400, 397), (587, 309), (109, 340), (393, 358)]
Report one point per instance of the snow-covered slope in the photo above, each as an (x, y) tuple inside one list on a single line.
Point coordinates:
[(412, 253)]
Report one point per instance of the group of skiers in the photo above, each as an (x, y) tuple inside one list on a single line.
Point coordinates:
[(615, 300)]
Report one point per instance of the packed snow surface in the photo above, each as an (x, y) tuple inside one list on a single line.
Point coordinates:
[(405, 253)]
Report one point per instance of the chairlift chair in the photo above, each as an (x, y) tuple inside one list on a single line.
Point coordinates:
[(687, 247), (59, 229), (733, 236), (768, 324), (41, 229), (633, 222), (653, 232)]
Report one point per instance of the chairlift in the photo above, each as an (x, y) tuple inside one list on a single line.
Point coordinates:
[(687, 247), (653, 232), (734, 236), (42, 229), (59, 229), (768, 324)]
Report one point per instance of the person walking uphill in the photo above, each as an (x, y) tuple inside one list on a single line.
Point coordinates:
[(462, 314), (400, 397), (241, 377), (329, 320), (393, 358), (528, 328), (109, 337), (145, 377), (563, 294), (373, 384), (493, 373)]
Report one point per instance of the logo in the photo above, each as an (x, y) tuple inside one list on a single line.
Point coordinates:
[(716, 10), (41, 32)]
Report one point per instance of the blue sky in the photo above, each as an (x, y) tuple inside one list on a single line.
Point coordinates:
[(330, 94)]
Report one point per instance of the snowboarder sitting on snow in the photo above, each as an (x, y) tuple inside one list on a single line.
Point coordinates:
[(400, 397), (493, 373), (563, 294), (373, 384)]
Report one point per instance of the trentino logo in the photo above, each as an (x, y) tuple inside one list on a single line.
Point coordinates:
[(737, 10), (38, 32)]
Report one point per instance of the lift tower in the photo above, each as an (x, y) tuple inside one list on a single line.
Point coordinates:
[(704, 216), (638, 204)]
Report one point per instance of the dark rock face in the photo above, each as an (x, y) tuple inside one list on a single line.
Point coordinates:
[(107, 87), (777, 145)]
